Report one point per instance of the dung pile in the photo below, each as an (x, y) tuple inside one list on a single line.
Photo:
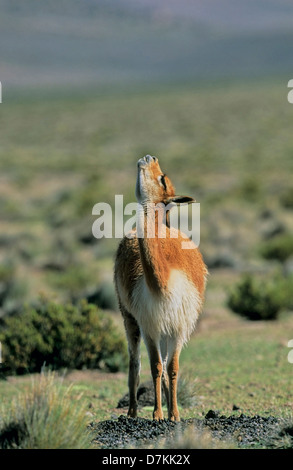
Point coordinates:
[(245, 430), (124, 432)]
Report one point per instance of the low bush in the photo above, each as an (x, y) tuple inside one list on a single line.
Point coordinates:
[(259, 300), (279, 248), (286, 198), (61, 336), (250, 189)]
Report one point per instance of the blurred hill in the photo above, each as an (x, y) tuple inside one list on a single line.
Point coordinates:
[(126, 42)]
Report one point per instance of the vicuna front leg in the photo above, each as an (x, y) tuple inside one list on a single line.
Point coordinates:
[(157, 371), (165, 378), (133, 337)]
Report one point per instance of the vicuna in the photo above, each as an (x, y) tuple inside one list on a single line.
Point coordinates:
[(160, 288)]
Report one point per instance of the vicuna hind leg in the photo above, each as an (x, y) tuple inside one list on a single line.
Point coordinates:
[(133, 337), (157, 371)]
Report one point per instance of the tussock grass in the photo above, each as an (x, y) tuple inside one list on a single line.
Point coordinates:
[(44, 417), (192, 438), (283, 437), (187, 392)]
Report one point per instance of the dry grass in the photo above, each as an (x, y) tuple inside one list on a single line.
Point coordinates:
[(44, 417), (192, 438)]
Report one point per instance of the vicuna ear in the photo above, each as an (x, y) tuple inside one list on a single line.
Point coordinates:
[(181, 200)]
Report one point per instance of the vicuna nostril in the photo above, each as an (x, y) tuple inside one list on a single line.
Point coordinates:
[(149, 159)]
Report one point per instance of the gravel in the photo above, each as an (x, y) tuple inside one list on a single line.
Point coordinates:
[(243, 430)]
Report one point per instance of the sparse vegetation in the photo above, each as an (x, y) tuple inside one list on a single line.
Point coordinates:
[(80, 150), (74, 281), (7, 273), (12, 289)]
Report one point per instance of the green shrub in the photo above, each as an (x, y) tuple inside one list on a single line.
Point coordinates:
[(258, 300), (250, 189), (279, 248), (44, 418), (286, 198), (70, 336)]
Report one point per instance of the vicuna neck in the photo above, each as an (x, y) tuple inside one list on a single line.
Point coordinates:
[(151, 228)]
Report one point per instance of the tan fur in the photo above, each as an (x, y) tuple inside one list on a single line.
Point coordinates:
[(160, 288)]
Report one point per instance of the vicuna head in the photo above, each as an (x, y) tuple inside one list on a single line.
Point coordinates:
[(153, 186)]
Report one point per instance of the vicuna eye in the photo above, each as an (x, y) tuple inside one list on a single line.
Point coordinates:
[(163, 181)]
